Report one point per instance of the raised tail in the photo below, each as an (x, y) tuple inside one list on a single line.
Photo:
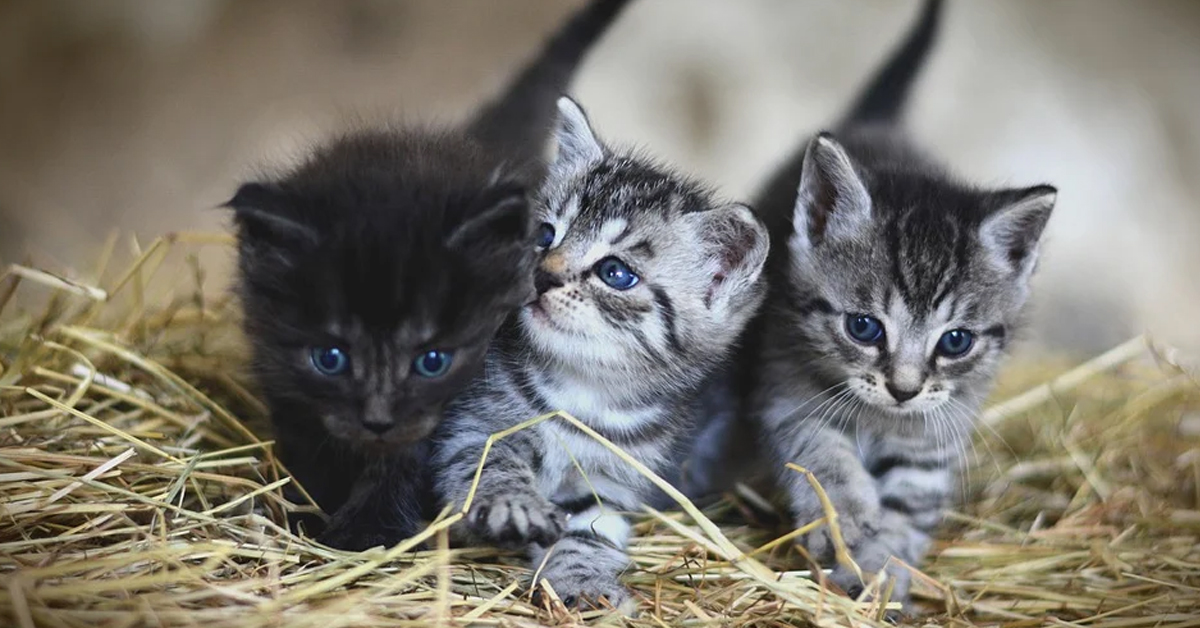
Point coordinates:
[(519, 120), (885, 96)]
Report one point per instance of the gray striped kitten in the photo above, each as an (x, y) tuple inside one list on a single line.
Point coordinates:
[(644, 284), (895, 290)]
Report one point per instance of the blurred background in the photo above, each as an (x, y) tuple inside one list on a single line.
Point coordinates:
[(142, 115)]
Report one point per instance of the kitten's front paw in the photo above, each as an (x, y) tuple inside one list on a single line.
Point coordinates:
[(586, 586), (517, 520), (848, 581), (585, 571), (901, 579), (893, 537), (896, 538), (355, 531), (352, 537), (855, 530)]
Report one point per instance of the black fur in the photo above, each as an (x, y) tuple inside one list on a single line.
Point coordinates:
[(389, 244), (887, 92), (521, 124), (879, 105)]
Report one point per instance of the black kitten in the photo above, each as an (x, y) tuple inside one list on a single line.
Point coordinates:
[(375, 275)]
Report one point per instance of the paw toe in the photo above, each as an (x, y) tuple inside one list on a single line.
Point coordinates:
[(847, 581), (478, 515)]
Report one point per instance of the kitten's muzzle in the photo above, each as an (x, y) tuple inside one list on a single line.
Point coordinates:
[(382, 421), (397, 434)]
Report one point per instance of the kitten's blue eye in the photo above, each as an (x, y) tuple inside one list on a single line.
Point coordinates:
[(865, 329), (432, 364), (545, 235), (955, 342), (616, 273), (329, 360)]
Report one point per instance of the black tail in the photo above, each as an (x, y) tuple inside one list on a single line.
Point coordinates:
[(884, 97), (520, 119)]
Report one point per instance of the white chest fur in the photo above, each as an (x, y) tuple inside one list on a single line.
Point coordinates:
[(574, 463)]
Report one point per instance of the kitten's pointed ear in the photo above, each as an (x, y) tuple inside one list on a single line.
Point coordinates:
[(832, 201), (505, 221), (1012, 232), (577, 144), (257, 210), (736, 243)]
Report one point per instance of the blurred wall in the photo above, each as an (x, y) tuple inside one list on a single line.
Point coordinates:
[(143, 115)]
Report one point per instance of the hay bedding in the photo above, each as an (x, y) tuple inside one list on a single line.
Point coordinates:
[(133, 493)]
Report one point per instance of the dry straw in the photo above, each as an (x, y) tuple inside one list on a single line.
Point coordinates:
[(136, 488)]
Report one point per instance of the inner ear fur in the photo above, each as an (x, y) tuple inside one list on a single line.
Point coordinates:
[(737, 243), (1012, 232), (832, 200)]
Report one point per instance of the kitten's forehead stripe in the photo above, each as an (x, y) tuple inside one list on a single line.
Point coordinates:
[(623, 187), (865, 297), (899, 278), (927, 255), (927, 250)]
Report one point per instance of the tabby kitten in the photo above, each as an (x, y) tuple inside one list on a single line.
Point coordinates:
[(895, 291), (375, 275), (644, 283)]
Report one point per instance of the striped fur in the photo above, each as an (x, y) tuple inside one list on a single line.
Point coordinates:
[(863, 224), (911, 251), (628, 363)]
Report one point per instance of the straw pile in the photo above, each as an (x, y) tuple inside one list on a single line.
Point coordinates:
[(136, 488)]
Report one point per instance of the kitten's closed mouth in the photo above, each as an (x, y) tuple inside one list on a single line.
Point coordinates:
[(903, 409), (406, 432), (538, 312), (395, 439)]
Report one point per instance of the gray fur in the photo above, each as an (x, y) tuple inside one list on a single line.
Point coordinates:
[(586, 564), (881, 233), (627, 363), (862, 223)]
